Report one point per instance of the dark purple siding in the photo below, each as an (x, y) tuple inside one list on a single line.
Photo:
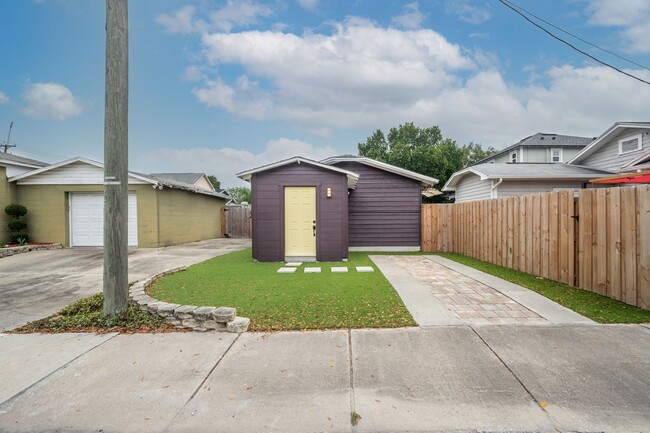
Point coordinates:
[(384, 209), (268, 211)]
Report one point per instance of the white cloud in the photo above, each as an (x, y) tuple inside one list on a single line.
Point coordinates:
[(225, 162), (466, 11), (632, 16), (51, 101), (234, 14), (308, 4), (4, 99), (411, 18)]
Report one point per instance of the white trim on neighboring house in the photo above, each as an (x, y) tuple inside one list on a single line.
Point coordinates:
[(604, 137), (629, 139), (560, 154), (514, 157)]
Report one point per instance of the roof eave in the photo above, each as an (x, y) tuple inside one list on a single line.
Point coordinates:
[(593, 146), (424, 180)]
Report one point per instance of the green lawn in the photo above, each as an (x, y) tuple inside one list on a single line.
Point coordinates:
[(276, 302), (592, 305)]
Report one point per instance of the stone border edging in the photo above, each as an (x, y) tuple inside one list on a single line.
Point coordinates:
[(10, 251), (187, 316)]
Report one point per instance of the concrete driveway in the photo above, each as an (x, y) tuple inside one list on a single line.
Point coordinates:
[(39, 283)]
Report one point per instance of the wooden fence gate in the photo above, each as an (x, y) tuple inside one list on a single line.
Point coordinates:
[(236, 221)]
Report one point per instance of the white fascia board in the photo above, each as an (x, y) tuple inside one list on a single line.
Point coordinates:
[(456, 177), (554, 177)]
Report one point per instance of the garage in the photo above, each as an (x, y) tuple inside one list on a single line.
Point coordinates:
[(87, 220)]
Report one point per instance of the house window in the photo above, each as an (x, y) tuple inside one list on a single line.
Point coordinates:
[(513, 157), (630, 144), (556, 155)]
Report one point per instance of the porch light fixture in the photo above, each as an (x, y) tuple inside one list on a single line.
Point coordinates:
[(329, 192)]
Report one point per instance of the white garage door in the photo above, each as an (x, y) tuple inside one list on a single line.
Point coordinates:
[(87, 220)]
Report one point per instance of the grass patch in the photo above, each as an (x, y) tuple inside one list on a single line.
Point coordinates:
[(86, 315), (296, 301), (592, 305)]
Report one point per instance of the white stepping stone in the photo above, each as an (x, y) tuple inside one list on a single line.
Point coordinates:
[(286, 270), (339, 269), (365, 269), (296, 264), (312, 270)]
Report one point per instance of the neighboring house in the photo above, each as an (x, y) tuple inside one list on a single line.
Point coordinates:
[(493, 180), (540, 147), (65, 204), (309, 210), (623, 148), (11, 165)]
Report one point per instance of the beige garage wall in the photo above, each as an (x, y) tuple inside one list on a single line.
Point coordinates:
[(184, 216), (7, 196), (48, 216)]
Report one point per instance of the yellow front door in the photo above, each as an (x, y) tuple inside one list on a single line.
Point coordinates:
[(299, 221)]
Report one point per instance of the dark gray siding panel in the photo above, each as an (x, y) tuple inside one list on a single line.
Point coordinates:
[(384, 209), (268, 211)]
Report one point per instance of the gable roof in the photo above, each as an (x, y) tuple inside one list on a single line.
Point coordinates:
[(139, 176), (605, 136), (248, 174), (542, 139), (526, 171), (20, 160), (189, 178), (424, 180)]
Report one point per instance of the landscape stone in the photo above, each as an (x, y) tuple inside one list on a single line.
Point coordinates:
[(286, 270), (224, 314), (239, 325), (192, 323), (167, 310), (339, 269), (185, 311), (296, 264), (312, 270), (204, 313), (365, 269)]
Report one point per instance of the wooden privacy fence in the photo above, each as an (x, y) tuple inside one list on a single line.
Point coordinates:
[(599, 242), (236, 221)]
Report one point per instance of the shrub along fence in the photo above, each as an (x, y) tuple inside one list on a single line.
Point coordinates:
[(599, 241)]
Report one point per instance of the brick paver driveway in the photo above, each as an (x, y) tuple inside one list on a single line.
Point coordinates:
[(471, 301)]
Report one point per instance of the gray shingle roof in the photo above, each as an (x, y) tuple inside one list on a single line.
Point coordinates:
[(21, 160), (189, 178), (542, 139)]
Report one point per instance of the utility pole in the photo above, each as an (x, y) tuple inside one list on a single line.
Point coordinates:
[(116, 278), (7, 144)]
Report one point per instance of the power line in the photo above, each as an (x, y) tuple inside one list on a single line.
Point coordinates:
[(575, 36), (505, 3)]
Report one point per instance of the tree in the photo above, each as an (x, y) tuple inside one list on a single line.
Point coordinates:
[(423, 151), (215, 182), (474, 153), (240, 194)]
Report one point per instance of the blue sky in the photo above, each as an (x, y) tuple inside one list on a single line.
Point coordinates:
[(223, 86)]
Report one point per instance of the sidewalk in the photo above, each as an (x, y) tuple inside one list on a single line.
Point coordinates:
[(487, 378)]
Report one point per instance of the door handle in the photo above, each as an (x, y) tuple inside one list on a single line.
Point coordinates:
[(314, 228)]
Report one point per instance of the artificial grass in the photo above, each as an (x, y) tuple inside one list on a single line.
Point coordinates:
[(295, 301), (592, 305), (86, 315)]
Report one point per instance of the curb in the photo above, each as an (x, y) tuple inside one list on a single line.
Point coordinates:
[(6, 252), (202, 319)]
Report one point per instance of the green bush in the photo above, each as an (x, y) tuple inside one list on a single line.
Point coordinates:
[(16, 210), (17, 225), (18, 238)]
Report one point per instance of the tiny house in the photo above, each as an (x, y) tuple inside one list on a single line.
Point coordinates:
[(318, 211)]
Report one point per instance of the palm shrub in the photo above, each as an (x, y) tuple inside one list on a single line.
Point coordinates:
[(17, 225)]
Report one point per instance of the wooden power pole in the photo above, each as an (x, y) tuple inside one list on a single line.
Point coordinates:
[(116, 278)]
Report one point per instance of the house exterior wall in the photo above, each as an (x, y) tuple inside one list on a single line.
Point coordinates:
[(184, 216), (7, 196), (384, 209), (204, 183), (607, 157), (268, 211), (471, 188), (509, 188)]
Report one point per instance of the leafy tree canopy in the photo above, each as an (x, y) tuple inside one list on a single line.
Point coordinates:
[(215, 182), (240, 194), (422, 150)]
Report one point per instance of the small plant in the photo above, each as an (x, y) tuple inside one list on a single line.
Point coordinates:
[(16, 225), (3, 245), (355, 418)]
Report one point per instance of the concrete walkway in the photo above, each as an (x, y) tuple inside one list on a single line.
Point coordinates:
[(37, 284), (439, 291), (448, 378)]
